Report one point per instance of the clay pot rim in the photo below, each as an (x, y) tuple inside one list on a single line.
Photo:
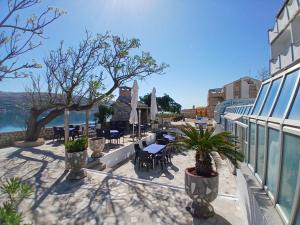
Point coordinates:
[(188, 171), (96, 138)]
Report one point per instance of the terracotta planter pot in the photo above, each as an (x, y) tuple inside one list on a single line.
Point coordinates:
[(76, 161), (202, 190), (97, 145)]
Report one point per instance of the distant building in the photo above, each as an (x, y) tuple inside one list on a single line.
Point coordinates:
[(215, 96), (189, 113), (122, 107), (243, 88)]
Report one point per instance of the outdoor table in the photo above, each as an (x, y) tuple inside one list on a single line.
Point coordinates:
[(114, 131), (154, 148), (169, 137)]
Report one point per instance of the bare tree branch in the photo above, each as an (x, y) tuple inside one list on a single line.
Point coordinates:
[(18, 37), (75, 76)]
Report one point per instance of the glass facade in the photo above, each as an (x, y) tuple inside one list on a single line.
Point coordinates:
[(289, 173), (271, 97), (252, 144), (273, 160), (285, 95), (260, 98), (295, 110), (260, 150)]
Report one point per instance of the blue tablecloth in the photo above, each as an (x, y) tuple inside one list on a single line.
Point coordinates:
[(114, 131), (154, 148), (169, 137)]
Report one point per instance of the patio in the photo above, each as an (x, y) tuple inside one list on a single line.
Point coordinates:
[(118, 195)]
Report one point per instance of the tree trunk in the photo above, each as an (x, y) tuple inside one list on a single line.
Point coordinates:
[(203, 164), (34, 127)]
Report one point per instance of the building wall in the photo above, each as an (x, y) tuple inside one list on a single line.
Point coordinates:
[(228, 89)]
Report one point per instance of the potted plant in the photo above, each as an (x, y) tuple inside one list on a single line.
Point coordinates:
[(76, 157), (202, 181), (97, 145)]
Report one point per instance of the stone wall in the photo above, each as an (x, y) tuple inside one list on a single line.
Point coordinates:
[(8, 138)]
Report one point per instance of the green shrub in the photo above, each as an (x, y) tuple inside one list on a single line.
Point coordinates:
[(78, 145), (15, 191)]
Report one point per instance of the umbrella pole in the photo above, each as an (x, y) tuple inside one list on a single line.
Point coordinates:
[(133, 132)]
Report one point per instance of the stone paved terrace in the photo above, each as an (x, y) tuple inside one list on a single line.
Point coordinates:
[(118, 195)]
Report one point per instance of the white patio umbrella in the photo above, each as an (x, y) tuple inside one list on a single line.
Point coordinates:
[(153, 109), (133, 119)]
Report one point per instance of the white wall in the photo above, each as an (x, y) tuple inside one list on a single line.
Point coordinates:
[(245, 89), (229, 91), (113, 158)]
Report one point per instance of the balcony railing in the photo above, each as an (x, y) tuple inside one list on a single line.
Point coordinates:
[(273, 33), (296, 50), (292, 7), (288, 12), (282, 20), (285, 59), (275, 65)]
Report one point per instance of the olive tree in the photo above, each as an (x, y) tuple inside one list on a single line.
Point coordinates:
[(20, 34), (75, 77)]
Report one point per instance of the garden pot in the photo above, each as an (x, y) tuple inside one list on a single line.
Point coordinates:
[(202, 191), (154, 126), (97, 145), (76, 161)]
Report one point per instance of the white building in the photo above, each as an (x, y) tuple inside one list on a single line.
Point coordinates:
[(269, 134), (284, 38)]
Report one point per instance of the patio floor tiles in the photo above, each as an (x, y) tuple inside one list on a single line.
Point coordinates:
[(101, 199)]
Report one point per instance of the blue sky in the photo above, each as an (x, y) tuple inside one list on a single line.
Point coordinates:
[(207, 43)]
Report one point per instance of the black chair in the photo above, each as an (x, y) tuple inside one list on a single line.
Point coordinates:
[(145, 159), (144, 143), (76, 131), (137, 150), (57, 133), (100, 133), (162, 158), (162, 142)]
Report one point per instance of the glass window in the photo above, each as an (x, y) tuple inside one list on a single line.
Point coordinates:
[(273, 160), (289, 174), (271, 97), (260, 150), (252, 144), (260, 98), (285, 95), (295, 110)]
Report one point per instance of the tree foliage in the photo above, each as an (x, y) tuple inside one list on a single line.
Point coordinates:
[(104, 112), (19, 35), (263, 74), (75, 76), (165, 103)]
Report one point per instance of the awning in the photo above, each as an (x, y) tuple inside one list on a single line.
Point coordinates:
[(233, 116)]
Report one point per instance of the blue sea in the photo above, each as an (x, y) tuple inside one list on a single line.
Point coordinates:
[(16, 121)]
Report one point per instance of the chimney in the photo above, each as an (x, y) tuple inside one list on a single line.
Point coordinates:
[(125, 91)]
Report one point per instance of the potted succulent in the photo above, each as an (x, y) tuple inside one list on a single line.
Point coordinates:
[(76, 157), (202, 181)]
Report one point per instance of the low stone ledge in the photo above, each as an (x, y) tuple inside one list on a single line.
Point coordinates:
[(28, 144)]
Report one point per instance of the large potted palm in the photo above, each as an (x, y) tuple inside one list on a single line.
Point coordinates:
[(202, 180)]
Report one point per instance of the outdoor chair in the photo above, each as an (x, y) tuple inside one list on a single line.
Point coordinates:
[(57, 133), (100, 133), (162, 142), (144, 143), (137, 151), (76, 132), (145, 159), (162, 158)]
